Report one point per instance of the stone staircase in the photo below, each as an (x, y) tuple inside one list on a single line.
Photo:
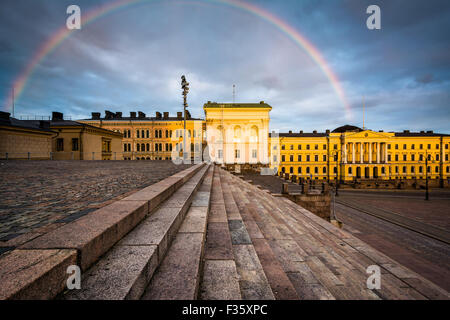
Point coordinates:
[(206, 234)]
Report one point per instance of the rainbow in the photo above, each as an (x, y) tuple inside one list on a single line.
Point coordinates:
[(56, 39)]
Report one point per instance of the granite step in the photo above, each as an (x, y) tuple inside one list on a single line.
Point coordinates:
[(220, 277), (31, 269), (125, 271), (178, 276), (253, 282), (321, 260)]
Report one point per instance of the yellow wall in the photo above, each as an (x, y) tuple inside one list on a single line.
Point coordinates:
[(388, 161), (160, 140), (19, 142)]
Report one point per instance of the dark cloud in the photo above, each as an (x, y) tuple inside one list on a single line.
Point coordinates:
[(135, 57)]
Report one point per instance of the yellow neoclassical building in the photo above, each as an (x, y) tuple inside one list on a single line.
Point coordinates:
[(349, 153), (237, 133), (153, 138)]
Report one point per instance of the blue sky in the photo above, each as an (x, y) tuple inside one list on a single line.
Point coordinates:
[(132, 60)]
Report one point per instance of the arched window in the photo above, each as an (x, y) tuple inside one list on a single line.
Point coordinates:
[(138, 147), (291, 170), (148, 147), (156, 133), (254, 134), (137, 133), (299, 170), (324, 170), (124, 148), (143, 133), (142, 147), (148, 135)]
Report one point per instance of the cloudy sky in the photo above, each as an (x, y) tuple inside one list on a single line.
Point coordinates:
[(132, 59)]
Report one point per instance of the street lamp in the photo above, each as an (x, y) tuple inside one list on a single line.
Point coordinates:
[(427, 197), (185, 87), (336, 156)]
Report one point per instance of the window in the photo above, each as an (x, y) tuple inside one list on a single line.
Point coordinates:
[(396, 146), (125, 147), (283, 147), (436, 169), (291, 158), (137, 133), (299, 147), (138, 147), (143, 133), (335, 147), (292, 147), (237, 153), (300, 170), (316, 147), (75, 146), (156, 134), (254, 153), (307, 147), (307, 170), (412, 169), (420, 169), (404, 147), (421, 146), (396, 169), (350, 170), (148, 147), (446, 157), (404, 157), (167, 147), (396, 157), (446, 147), (334, 170), (324, 170), (283, 158), (299, 158), (275, 158), (389, 157), (437, 157), (60, 144), (316, 170), (437, 146), (429, 146), (291, 170), (324, 157), (389, 146), (324, 146), (413, 146), (274, 147), (383, 170), (421, 157), (316, 158), (413, 157), (307, 158), (219, 154), (404, 169), (167, 133), (448, 169), (142, 147), (148, 134)]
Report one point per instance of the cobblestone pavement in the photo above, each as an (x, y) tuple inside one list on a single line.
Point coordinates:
[(409, 204), (39, 196), (424, 255)]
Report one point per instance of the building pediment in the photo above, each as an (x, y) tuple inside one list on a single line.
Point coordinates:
[(368, 134)]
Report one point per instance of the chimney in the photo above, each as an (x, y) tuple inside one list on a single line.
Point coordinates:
[(422, 131), (141, 115), (327, 131), (57, 116), (315, 131), (109, 114), (96, 115), (431, 131), (158, 115), (132, 114), (166, 115), (179, 115), (118, 115), (380, 131), (301, 131), (261, 102), (405, 131), (290, 131), (4, 115)]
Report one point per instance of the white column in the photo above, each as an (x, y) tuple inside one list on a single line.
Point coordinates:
[(370, 152), (353, 152), (361, 155), (385, 153), (378, 152), (345, 152)]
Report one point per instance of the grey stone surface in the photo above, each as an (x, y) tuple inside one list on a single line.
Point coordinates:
[(122, 273), (220, 281), (238, 232)]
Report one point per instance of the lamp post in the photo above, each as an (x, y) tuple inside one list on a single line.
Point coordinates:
[(185, 87), (336, 155)]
